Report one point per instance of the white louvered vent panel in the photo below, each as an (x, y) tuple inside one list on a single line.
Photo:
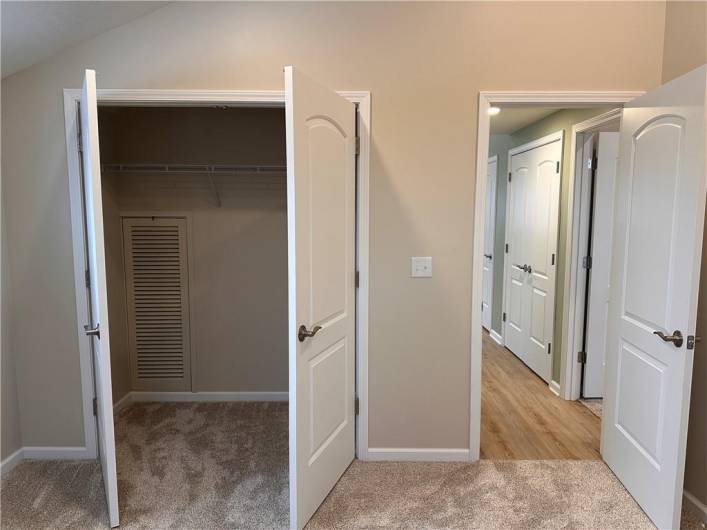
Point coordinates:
[(158, 311)]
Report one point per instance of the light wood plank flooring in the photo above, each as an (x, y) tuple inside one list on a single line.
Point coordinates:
[(521, 419)]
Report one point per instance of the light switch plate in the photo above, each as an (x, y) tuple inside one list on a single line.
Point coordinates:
[(421, 267)]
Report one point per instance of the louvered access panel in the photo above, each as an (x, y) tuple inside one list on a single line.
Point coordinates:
[(158, 302)]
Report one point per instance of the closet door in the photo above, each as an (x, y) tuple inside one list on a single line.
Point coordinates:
[(98, 329), (157, 285), (321, 187)]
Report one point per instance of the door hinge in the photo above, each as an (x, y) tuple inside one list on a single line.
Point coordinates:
[(506, 248), (504, 317), (88, 278), (510, 176), (549, 348), (356, 407), (582, 357), (358, 145), (557, 167), (552, 260), (587, 262), (357, 279), (95, 407)]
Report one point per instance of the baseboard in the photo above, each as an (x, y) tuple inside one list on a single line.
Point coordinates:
[(555, 388), (404, 454), (497, 337), (207, 396), (56, 453), (123, 402), (9, 463), (693, 504)]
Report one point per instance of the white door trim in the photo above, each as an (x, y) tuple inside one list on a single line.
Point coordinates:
[(493, 158), (486, 100), (256, 98), (573, 305)]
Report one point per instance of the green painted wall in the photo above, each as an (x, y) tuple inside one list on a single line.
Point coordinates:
[(499, 145)]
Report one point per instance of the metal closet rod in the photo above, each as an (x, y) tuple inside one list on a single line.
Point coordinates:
[(192, 168)]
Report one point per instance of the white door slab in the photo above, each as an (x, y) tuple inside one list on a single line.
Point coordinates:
[(532, 236), (489, 232), (320, 127), (598, 303), (93, 207), (655, 273)]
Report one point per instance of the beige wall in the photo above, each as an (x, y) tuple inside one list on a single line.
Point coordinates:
[(685, 37), (238, 249), (424, 64)]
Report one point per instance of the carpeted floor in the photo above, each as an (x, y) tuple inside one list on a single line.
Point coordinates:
[(595, 405), (224, 465)]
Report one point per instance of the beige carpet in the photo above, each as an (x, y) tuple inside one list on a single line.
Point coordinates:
[(224, 465), (595, 405)]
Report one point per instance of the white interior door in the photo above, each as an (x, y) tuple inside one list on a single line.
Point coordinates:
[(532, 235), (598, 303), (659, 219), (489, 231), (320, 127), (98, 328)]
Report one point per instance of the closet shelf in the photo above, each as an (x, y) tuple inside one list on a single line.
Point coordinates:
[(193, 168)]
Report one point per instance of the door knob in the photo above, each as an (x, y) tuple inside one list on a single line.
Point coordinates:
[(675, 338), (303, 333), (489, 256), (529, 269), (92, 332), (524, 268)]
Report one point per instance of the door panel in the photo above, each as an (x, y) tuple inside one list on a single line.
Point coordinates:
[(320, 127), (489, 232), (657, 246), (93, 206), (598, 292), (533, 224)]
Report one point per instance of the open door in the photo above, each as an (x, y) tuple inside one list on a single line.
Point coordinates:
[(659, 218), (97, 329), (321, 132)]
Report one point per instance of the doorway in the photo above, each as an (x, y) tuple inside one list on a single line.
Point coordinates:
[(302, 99)]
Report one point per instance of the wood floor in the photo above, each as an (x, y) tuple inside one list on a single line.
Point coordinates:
[(521, 419)]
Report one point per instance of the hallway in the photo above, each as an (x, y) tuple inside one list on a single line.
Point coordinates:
[(521, 419)]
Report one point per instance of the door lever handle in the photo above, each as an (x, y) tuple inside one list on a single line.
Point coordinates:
[(675, 338), (489, 256), (523, 268), (303, 333), (93, 332)]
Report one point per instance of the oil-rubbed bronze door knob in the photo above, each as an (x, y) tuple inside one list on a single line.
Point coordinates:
[(675, 338), (302, 332)]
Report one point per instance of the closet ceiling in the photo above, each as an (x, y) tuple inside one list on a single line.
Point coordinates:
[(34, 31)]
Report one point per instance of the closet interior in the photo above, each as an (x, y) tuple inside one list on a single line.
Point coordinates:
[(195, 226)]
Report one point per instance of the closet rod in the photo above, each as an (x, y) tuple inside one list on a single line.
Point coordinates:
[(192, 168)]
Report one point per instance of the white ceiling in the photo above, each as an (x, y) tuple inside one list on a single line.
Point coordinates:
[(511, 119), (34, 31)]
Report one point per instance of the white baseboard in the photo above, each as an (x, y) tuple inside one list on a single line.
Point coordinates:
[(404, 454), (55, 453), (9, 463), (207, 396), (693, 504), (123, 402), (555, 388), (497, 337)]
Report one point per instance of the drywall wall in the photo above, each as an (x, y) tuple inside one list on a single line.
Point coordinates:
[(11, 436), (561, 120), (685, 37), (424, 64), (238, 262)]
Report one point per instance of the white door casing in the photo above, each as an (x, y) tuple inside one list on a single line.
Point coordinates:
[(93, 207), (531, 233), (598, 303), (656, 255), (489, 232), (320, 128)]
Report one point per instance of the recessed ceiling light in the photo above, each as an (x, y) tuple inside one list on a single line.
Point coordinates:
[(493, 111)]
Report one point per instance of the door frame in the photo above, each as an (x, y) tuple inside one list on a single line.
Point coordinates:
[(252, 98), (528, 146), (486, 99), (575, 277), (493, 158)]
